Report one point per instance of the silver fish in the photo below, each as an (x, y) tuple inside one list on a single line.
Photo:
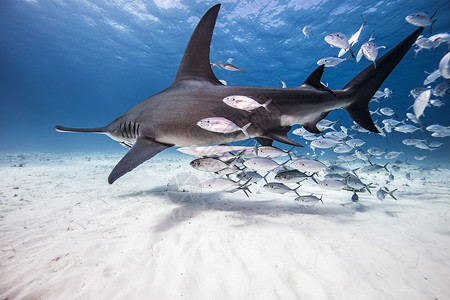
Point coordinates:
[(261, 164), (407, 128), (421, 103), (208, 164), (432, 77), (306, 31), (230, 67), (308, 165), (331, 61), (354, 38), (245, 103), (334, 185), (308, 200), (392, 154), (444, 66), (221, 125), (381, 194), (279, 188), (370, 51), (419, 19)]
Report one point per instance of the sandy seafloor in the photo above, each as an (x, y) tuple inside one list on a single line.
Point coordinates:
[(66, 234)]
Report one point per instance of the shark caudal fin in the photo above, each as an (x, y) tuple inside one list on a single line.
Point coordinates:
[(69, 129), (365, 84)]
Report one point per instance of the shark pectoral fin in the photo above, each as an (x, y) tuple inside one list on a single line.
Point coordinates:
[(264, 141), (281, 136), (312, 125), (142, 150)]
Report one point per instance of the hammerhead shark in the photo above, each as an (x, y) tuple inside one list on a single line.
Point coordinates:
[(169, 118)]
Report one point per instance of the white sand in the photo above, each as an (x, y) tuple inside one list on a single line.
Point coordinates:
[(66, 234)]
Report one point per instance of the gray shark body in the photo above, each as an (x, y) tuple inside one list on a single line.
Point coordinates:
[(170, 117)]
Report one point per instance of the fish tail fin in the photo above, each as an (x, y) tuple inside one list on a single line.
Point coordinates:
[(70, 129), (244, 129), (240, 70), (391, 193), (267, 104), (362, 88)]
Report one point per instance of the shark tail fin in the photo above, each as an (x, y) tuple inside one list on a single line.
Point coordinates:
[(70, 129), (362, 88)]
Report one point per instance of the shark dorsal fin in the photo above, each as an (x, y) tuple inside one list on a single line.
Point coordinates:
[(195, 63), (315, 77)]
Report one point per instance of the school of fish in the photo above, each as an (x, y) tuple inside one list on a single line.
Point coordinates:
[(285, 171)]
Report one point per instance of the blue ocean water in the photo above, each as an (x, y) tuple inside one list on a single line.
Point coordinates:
[(85, 63)]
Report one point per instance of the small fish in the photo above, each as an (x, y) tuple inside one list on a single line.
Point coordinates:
[(435, 144), (361, 154), (370, 51), (412, 142), (201, 151), (306, 31), (357, 184), (308, 165), (439, 38), (250, 176), (432, 77), (437, 128), (420, 19), (437, 103), (339, 40), (374, 168), (291, 176), (209, 164), (308, 200), (407, 128), (355, 197), (354, 38), (270, 151), (220, 184), (325, 124), (387, 111), (392, 155), (215, 64), (324, 143), (391, 177), (230, 67), (337, 169), (387, 93), (420, 157), (279, 188), (221, 125), (392, 122), (355, 143), (331, 61), (245, 103), (375, 151), (412, 118), (262, 164), (283, 84), (424, 43), (348, 157), (444, 66), (421, 103), (342, 148), (381, 194), (333, 185)]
